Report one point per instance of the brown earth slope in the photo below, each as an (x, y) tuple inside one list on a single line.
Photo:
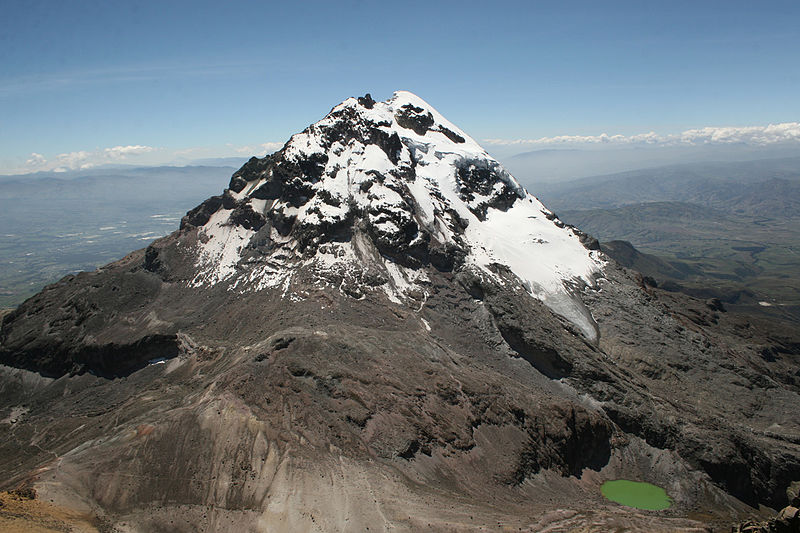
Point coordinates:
[(402, 388)]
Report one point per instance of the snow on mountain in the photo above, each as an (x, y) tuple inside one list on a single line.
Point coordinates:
[(371, 194)]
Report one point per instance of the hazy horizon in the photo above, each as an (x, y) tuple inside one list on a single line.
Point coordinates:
[(108, 83), (531, 168)]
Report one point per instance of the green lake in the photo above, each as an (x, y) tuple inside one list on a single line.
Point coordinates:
[(636, 494)]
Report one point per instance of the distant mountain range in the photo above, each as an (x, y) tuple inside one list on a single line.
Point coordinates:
[(550, 165), (731, 229), (763, 187)]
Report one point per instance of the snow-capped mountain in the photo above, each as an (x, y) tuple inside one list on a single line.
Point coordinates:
[(376, 328), (388, 187)]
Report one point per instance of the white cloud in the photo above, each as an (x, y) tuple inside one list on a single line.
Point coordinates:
[(55, 81), (121, 152), (772, 134), (85, 159), (259, 150), (135, 154), (786, 132), (35, 159), (193, 151), (72, 161), (756, 135)]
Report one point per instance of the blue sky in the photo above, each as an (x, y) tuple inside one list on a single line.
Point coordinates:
[(186, 79)]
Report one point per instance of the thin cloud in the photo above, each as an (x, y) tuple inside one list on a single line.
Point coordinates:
[(36, 160), (85, 159), (259, 149), (759, 136), (786, 132), (49, 81), (121, 152), (137, 154)]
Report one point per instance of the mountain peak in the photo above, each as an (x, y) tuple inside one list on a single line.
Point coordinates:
[(391, 188), (365, 313)]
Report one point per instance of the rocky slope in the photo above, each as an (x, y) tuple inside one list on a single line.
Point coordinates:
[(377, 327)]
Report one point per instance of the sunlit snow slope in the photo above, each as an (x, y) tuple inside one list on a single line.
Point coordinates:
[(395, 186)]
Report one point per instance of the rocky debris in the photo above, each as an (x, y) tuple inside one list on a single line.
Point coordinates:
[(715, 305), (24, 493), (591, 243), (350, 339), (787, 521), (753, 464), (20, 513), (793, 493)]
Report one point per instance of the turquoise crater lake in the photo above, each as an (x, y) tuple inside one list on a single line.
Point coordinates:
[(636, 494)]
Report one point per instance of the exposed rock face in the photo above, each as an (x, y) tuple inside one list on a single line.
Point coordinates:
[(787, 521), (376, 326)]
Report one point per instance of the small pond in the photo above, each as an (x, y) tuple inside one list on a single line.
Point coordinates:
[(636, 494)]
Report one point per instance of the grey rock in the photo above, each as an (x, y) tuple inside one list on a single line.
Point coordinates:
[(337, 407)]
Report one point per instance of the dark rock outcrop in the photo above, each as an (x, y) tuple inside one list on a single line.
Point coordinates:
[(333, 365)]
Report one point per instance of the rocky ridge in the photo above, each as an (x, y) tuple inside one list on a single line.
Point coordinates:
[(373, 192), (376, 326)]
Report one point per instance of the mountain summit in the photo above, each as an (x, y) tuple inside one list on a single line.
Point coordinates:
[(376, 190), (377, 327)]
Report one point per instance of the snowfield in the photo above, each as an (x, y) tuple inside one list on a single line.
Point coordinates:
[(438, 181)]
